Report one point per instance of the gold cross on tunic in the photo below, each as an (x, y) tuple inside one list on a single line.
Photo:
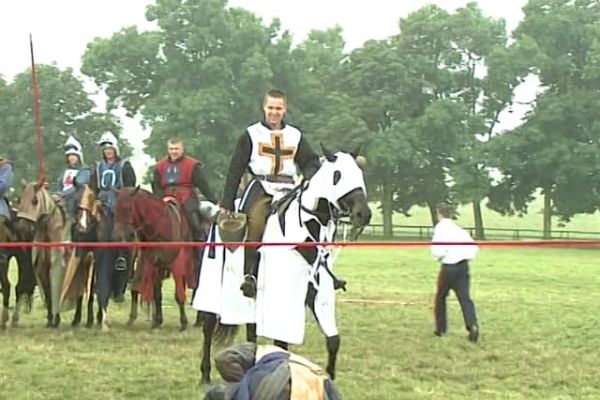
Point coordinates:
[(276, 152)]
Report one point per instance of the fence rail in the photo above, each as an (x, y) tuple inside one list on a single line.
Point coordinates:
[(425, 232)]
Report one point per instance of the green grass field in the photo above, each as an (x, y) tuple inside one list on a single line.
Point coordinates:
[(538, 317)]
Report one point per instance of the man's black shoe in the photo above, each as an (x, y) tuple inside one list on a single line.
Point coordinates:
[(474, 334)]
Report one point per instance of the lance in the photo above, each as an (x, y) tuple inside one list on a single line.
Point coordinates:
[(36, 113)]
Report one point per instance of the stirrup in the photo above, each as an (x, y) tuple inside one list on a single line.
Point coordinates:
[(121, 264)]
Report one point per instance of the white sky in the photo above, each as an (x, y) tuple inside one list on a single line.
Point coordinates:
[(62, 28)]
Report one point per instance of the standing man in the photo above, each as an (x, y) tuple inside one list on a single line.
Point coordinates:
[(272, 151), (110, 175), (175, 178), (454, 273)]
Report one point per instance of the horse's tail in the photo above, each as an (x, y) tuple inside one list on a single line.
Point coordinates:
[(224, 334)]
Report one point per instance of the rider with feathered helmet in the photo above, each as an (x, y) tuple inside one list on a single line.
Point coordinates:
[(75, 175)]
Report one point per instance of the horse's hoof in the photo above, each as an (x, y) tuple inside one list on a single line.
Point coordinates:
[(183, 328), (15, 322), (5, 315), (130, 322), (205, 380), (331, 373), (89, 324), (104, 328), (339, 284), (75, 323), (119, 298)]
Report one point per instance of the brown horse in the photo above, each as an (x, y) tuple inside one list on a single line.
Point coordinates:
[(40, 219), (26, 282), (94, 225), (143, 215)]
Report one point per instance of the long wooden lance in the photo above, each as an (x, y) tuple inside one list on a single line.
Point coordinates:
[(36, 113)]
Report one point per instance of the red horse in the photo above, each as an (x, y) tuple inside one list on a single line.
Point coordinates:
[(143, 215)]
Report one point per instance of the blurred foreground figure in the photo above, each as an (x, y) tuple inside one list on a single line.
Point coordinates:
[(257, 372)]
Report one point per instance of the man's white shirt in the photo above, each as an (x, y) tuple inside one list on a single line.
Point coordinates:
[(447, 231)]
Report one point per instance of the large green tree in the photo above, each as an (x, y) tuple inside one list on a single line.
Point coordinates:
[(200, 76), (556, 149), (65, 109)]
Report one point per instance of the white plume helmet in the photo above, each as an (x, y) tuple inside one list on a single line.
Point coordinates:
[(72, 146), (108, 140)]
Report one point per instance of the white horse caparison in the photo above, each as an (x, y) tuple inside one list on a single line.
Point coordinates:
[(285, 277)]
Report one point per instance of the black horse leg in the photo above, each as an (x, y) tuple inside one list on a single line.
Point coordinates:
[(281, 344), (332, 342), (5, 285), (78, 306), (251, 333), (133, 312), (25, 284), (90, 310), (182, 316), (158, 317), (209, 321), (333, 346)]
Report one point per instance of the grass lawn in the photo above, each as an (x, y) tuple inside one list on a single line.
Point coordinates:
[(539, 337)]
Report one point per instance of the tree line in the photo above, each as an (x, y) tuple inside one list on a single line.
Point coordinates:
[(424, 103)]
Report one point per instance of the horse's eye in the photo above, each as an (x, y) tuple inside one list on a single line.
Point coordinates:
[(34, 201), (337, 175)]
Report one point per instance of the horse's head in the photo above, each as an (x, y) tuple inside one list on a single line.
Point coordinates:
[(341, 182), (36, 208), (126, 214), (88, 211)]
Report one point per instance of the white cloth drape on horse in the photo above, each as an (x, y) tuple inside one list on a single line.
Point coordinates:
[(283, 279), (218, 292)]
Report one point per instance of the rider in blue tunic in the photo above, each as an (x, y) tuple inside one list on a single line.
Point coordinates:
[(6, 180), (110, 175)]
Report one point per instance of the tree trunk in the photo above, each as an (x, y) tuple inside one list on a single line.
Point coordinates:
[(433, 213), (386, 210), (547, 213), (478, 218)]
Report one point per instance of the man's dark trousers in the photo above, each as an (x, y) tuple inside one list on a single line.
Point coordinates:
[(455, 277)]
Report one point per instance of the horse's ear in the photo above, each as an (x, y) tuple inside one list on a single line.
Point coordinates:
[(136, 190), (327, 153), (354, 153), (23, 182)]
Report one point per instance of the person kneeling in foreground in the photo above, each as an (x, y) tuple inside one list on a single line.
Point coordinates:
[(265, 372)]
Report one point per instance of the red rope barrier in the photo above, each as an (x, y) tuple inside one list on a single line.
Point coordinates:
[(150, 245)]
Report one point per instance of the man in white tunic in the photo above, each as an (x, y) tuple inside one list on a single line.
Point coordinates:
[(454, 272), (271, 151)]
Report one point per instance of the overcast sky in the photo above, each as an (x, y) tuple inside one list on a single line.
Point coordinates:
[(62, 28)]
